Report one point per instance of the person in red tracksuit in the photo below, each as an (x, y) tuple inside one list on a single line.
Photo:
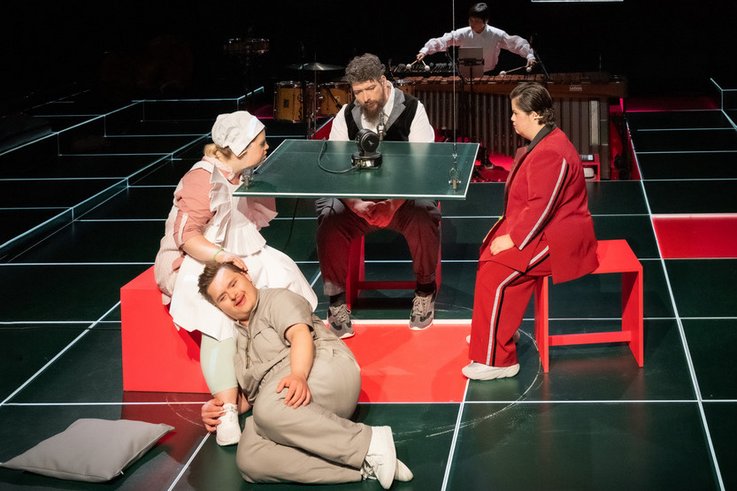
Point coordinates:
[(545, 229)]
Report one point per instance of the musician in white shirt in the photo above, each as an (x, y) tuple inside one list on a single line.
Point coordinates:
[(481, 35)]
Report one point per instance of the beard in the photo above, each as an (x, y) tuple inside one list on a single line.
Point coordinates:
[(373, 111)]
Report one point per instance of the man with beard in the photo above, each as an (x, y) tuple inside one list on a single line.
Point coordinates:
[(396, 116)]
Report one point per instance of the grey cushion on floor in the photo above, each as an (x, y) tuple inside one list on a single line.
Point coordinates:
[(95, 450)]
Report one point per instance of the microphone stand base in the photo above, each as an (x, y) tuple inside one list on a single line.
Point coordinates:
[(366, 161)]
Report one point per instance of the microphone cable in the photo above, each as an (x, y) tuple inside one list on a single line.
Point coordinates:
[(331, 171), (291, 225)]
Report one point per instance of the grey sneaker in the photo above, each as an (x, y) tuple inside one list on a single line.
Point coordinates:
[(423, 311), (339, 318)]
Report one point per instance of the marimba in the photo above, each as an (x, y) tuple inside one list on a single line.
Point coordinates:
[(581, 102)]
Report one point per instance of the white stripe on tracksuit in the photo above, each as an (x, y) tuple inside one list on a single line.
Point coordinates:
[(498, 298), (551, 201)]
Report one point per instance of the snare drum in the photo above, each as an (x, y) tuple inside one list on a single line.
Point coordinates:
[(333, 96), (288, 102)]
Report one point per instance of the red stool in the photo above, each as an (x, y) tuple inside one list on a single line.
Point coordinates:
[(615, 256), (356, 280), (157, 357)]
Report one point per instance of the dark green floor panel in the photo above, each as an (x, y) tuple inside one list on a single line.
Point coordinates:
[(461, 237), (693, 196), (704, 288), (17, 222), (168, 174), (722, 420), (711, 343), (676, 119), (688, 166), (62, 293), (35, 233), (95, 241), (422, 434), (635, 229), (89, 371), (299, 207), (67, 192), (18, 363), (100, 166), (482, 199), (605, 372), (295, 238), (688, 140), (146, 203), (616, 197), (145, 145), (581, 447)]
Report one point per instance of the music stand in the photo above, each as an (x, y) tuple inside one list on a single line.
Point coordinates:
[(470, 62), (470, 66)]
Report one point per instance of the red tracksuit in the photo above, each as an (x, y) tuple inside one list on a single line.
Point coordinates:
[(546, 214)]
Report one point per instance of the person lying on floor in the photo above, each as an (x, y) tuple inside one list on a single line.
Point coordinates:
[(302, 383)]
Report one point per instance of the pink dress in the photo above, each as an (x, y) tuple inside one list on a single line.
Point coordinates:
[(234, 225)]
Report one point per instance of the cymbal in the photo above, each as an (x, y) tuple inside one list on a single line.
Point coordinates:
[(315, 67)]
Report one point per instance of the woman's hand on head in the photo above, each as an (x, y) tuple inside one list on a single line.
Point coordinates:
[(227, 257)]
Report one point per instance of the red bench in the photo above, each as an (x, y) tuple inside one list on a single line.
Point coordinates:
[(615, 256), (157, 357)]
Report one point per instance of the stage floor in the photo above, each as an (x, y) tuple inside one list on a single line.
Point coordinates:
[(83, 213)]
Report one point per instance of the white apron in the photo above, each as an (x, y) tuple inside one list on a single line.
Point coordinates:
[(235, 227)]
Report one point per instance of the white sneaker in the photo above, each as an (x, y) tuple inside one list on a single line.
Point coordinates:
[(515, 336), (479, 371), (229, 430), (381, 458), (403, 474)]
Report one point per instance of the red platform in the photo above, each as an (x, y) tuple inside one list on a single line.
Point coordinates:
[(615, 256), (157, 357)]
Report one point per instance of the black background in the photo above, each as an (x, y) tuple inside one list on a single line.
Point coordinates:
[(130, 49)]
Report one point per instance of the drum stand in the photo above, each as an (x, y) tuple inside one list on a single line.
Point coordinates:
[(309, 114), (468, 108)]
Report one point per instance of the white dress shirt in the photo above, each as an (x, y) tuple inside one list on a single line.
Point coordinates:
[(420, 130), (491, 39)]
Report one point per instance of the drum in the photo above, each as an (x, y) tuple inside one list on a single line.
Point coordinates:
[(288, 102), (333, 96)]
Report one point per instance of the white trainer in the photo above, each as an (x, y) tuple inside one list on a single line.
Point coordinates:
[(229, 430), (403, 474), (381, 458), (479, 371)]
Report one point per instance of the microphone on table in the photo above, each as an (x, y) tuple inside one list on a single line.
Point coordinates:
[(367, 156)]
